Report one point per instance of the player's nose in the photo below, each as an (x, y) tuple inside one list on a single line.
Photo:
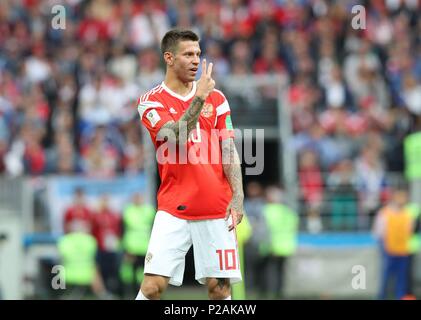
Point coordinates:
[(196, 60)]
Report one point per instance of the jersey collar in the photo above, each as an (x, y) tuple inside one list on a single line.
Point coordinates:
[(185, 98)]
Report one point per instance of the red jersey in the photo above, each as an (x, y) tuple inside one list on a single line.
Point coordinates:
[(75, 216), (106, 230), (193, 183)]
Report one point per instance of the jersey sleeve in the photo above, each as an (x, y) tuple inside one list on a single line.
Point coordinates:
[(153, 116), (223, 120)]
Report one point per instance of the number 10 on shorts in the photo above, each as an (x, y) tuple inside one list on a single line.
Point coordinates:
[(227, 259)]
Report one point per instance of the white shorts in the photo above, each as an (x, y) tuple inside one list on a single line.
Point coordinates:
[(214, 247)]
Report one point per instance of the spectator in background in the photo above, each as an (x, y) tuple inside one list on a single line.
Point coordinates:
[(396, 126), (11, 94), (253, 205), (343, 197), (412, 94), (93, 103), (312, 189), (359, 66), (394, 226), (317, 140), (214, 52), (100, 157), (300, 100), (107, 232), (148, 26), (137, 226), (371, 184), (326, 63), (78, 213), (122, 95), (88, 66), (96, 24), (183, 16), (121, 63), (37, 68), (150, 72), (414, 249), (133, 153), (13, 159), (269, 62), (235, 20), (336, 92), (62, 118), (341, 144), (62, 157), (34, 158), (282, 224), (208, 19), (77, 249)]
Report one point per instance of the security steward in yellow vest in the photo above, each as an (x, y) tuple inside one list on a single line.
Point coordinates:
[(282, 224), (394, 226), (137, 224)]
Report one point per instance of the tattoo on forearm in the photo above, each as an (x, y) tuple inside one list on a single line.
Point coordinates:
[(232, 170), (192, 113), (171, 130)]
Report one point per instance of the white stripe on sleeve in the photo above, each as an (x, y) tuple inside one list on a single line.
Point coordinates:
[(143, 106), (222, 108)]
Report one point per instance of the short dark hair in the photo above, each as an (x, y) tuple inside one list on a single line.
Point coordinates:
[(170, 40)]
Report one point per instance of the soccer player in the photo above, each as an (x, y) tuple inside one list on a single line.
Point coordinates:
[(200, 200)]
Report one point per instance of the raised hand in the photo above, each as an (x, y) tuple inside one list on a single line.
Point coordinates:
[(206, 84)]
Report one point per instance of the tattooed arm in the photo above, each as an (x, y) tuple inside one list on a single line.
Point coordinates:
[(232, 170), (171, 130)]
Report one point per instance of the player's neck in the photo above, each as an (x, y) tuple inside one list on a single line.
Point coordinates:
[(177, 86)]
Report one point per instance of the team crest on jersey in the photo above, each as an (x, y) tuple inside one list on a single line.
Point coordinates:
[(207, 110)]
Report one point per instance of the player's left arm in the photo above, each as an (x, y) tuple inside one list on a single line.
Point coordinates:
[(232, 170)]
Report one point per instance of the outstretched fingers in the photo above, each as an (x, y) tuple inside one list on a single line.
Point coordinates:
[(204, 68), (209, 71)]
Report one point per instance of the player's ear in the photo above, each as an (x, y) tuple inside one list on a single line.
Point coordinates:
[(169, 58)]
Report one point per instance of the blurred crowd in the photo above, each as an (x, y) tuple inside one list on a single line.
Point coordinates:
[(67, 96), (103, 249)]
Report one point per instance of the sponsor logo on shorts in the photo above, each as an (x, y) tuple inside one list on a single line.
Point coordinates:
[(148, 257)]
